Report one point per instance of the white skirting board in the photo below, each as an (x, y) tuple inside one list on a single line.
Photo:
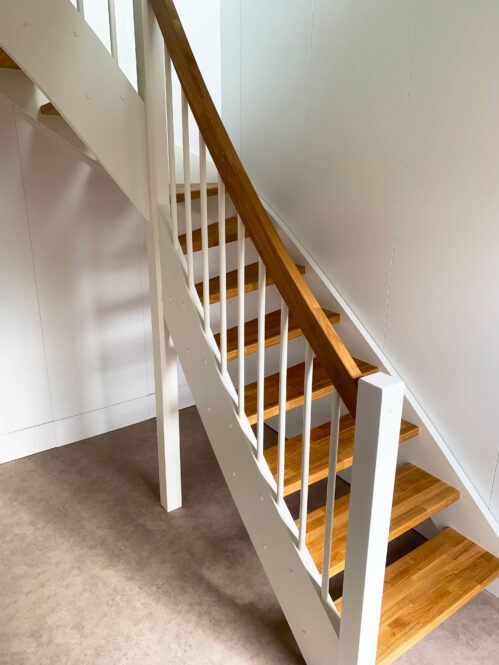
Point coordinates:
[(32, 440)]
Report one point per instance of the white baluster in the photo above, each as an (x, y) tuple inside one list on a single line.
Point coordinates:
[(377, 430), (262, 282), (80, 7), (171, 147), (305, 457), (112, 28), (187, 190), (204, 232), (222, 272), (283, 372), (240, 319), (331, 488)]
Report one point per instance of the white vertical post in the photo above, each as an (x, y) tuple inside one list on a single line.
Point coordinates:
[(151, 77), (305, 454), (283, 373), (262, 283), (240, 313), (112, 28), (331, 489), (222, 275), (171, 145), (377, 430), (204, 232), (80, 8), (187, 190)]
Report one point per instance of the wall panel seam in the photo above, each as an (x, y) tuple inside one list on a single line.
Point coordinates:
[(35, 277), (401, 170)]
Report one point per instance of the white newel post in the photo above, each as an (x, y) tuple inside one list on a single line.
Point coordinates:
[(377, 430), (151, 82)]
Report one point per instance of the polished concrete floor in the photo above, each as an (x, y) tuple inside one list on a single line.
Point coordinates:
[(94, 572)]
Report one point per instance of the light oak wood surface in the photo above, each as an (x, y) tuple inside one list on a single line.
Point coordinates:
[(6, 61), (321, 386), (272, 333), (213, 236), (319, 452), (250, 283), (426, 587), (48, 109), (211, 190), (417, 496)]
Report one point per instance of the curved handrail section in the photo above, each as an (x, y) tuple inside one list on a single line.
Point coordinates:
[(319, 332)]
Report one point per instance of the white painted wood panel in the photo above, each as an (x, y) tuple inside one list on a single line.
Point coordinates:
[(86, 254), (274, 46), (402, 125), (24, 388), (444, 308), (359, 84)]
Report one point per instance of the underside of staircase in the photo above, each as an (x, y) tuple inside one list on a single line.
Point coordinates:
[(424, 587)]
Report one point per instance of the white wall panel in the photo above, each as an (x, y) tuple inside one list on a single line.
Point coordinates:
[(444, 304), (359, 84), (85, 245), (401, 167), (24, 388), (274, 102)]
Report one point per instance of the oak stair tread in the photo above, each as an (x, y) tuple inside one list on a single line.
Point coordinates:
[(319, 452), (48, 109), (272, 333), (213, 236), (417, 496), (426, 586), (211, 190), (6, 61), (250, 283), (321, 386)]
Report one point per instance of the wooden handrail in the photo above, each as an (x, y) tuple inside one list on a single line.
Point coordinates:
[(325, 342)]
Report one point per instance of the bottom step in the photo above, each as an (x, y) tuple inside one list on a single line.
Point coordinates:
[(426, 587)]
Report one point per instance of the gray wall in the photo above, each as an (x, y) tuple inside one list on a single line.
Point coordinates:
[(371, 129)]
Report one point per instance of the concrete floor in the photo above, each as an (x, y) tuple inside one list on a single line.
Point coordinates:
[(94, 572)]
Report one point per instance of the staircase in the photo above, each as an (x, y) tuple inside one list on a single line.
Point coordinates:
[(220, 342), (426, 586)]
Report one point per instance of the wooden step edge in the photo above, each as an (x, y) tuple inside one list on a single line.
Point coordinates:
[(213, 237), (319, 452), (211, 190), (321, 387), (417, 496), (428, 585), (49, 109), (6, 61), (250, 283), (272, 333)]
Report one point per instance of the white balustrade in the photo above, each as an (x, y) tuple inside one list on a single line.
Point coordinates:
[(283, 371), (204, 232), (331, 488), (171, 147), (187, 190), (112, 28), (222, 275), (262, 284), (240, 312), (305, 459)]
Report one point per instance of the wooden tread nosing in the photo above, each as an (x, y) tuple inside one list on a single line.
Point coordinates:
[(319, 452), (426, 586), (417, 496)]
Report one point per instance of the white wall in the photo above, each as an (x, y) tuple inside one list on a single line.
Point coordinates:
[(371, 130), (75, 334)]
